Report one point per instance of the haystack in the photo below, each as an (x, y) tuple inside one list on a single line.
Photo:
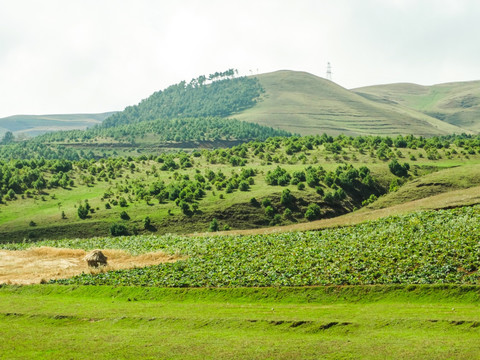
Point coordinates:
[(95, 259)]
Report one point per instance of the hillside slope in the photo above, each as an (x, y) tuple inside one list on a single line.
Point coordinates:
[(33, 125), (456, 103), (302, 103)]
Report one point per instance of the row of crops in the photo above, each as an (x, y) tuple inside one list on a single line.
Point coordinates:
[(420, 248)]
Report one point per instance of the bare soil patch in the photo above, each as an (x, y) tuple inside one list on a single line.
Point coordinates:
[(35, 265)]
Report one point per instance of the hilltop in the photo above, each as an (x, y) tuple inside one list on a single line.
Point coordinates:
[(303, 103), (456, 103)]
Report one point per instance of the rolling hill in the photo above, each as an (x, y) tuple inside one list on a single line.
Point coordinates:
[(455, 103), (297, 102), (33, 125), (302, 103)]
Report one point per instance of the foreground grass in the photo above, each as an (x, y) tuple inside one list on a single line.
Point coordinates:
[(416, 322)]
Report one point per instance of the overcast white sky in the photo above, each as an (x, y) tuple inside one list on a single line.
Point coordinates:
[(79, 56)]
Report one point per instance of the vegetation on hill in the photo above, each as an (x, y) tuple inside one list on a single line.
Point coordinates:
[(179, 130), (221, 95), (279, 181)]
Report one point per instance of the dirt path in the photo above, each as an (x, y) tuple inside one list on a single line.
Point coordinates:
[(34, 265)]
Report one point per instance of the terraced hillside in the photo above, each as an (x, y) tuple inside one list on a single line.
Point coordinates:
[(302, 103), (456, 103)]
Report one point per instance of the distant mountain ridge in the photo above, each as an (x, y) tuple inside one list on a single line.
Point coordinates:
[(33, 125)]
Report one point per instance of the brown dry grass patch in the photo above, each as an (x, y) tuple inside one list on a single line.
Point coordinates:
[(35, 265)]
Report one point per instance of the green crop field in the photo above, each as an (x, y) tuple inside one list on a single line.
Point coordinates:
[(419, 248)]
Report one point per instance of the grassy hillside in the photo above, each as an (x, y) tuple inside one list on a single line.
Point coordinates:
[(282, 181), (33, 125), (455, 103), (303, 103)]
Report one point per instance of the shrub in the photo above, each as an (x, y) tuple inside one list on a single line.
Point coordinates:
[(394, 185), (397, 169), (229, 188), (287, 198), (313, 212), (277, 219), (118, 230), (287, 214), (298, 176), (11, 195), (279, 176), (266, 202), (122, 202), (370, 200), (82, 212), (213, 225), (124, 215), (147, 222), (243, 186), (329, 197), (269, 211), (254, 202), (339, 195)]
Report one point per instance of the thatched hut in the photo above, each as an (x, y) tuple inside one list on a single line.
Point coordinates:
[(95, 259)]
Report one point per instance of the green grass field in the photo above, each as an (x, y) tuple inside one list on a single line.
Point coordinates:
[(415, 322)]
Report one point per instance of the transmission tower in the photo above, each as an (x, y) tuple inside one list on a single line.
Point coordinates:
[(329, 71)]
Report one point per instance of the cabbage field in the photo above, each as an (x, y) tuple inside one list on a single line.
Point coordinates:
[(430, 247)]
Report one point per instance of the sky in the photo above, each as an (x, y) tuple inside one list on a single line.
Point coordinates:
[(84, 56)]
